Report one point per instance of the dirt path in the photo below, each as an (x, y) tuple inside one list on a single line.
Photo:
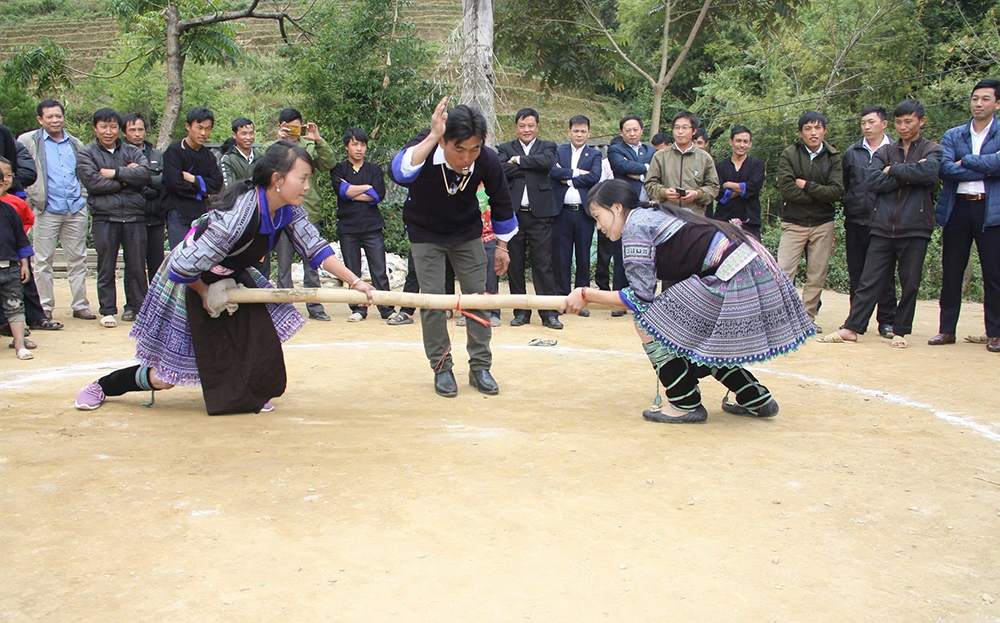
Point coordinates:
[(365, 497)]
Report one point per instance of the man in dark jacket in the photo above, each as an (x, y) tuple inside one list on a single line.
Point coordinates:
[(811, 182), (527, 161), (114, 174), (190, 175), (858, 201), (741, 178), (969, 210), (156, 236), (903, 177)]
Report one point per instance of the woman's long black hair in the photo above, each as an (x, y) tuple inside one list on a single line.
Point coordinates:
[(609, 192), (279, 158)]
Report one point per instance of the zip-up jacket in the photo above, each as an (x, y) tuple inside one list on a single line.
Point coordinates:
[(814, 204), (904, 197), (119, 200), (957, 145), (858, 199), (691, 170), (154, 189), (37, 195)]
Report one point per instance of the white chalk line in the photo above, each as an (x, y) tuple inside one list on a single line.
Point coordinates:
[(17, 380)]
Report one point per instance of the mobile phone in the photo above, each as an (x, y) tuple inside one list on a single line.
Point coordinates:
[(295, 130), (680, 191)]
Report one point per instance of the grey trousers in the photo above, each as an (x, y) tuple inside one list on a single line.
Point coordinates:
[(310, 276), (469, 261), (70, 230)]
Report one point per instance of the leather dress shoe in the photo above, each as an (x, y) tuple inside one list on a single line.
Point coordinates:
[(484, 382), (325, 317), (993, 344), (552, 323), (518, 321), (942, 338), (84, 314), (584, 313), (445, 385)]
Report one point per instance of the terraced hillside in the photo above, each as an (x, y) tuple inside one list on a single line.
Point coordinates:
[(89, 40)]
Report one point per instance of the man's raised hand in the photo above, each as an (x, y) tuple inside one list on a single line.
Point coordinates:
[(439, 118)]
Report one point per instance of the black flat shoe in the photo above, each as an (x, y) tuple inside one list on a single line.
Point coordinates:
[(886, 331), (552, 323), (698, 415), (519, 321), (768, 410), (325, 317), (484, 382), (445, 385), (618, 313), (584, 313)]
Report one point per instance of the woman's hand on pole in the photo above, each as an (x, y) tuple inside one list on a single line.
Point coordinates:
[(573, 303)]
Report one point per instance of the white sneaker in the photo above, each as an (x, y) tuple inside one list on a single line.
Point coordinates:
[(109, 322), (355, 317)]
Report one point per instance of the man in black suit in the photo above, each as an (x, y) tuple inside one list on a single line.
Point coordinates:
[(527, 162), (578, 167)]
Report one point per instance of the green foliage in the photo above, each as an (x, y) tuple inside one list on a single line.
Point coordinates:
[(19, 11), (41, 68), (18, 109)]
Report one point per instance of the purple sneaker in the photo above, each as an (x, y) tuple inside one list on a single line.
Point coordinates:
[(90, 397), (267, 408)]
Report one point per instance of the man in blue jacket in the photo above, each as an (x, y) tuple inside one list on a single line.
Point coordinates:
[(577, 168), (630, 162), (969, 210)]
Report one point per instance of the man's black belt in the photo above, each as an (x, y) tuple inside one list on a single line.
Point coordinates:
[(976, 197), (572, 207)]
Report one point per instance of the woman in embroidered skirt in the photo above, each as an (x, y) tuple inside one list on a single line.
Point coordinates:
[(725, 302), (187, 333)]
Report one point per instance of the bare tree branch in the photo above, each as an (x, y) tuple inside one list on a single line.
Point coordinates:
[(607, 33), (687, 44)]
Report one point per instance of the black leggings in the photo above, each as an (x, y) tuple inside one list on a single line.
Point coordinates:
[(680, 379)]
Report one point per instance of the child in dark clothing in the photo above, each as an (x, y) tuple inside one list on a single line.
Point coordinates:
[(14, 253)]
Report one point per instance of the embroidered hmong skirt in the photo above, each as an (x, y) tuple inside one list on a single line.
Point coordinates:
[(163, 334), (753, 316)]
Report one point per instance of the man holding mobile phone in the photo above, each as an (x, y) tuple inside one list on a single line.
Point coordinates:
[(683, 175), (292, 128)]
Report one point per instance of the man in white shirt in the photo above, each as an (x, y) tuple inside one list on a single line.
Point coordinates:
[(969, 210), (578, 167)]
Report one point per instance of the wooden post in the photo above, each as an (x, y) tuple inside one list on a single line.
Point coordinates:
[(398, 299)]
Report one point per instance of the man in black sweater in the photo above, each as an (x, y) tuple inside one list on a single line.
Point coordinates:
[(741, 178), (442, 168), (190, 175), (527, 161), (360, 186)]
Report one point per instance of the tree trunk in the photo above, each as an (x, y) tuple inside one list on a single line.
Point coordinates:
[(477, 61), (654, 126), (175, 76)]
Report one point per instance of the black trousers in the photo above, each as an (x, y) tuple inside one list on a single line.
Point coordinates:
[(908, 255), (965, 226), (177, 227), (534, 237), (373, 242), (155, 237), (131, 238), (856, 245), (606, 251), (572, 235)]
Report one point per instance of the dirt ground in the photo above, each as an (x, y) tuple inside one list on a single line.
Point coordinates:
[(365, 497)]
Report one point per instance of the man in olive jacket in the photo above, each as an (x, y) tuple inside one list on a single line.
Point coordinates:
[(811, 182), (114, 174), (903, 175)]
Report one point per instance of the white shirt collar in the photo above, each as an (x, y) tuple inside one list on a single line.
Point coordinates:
[(527, 147), (972, 128), (684, 151), (576, 150), (885, 141)]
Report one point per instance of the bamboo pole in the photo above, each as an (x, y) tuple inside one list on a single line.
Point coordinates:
[(398, 299)]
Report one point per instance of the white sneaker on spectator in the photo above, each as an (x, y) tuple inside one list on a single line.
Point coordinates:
[(355, 317)]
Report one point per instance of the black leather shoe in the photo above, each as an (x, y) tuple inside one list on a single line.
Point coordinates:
[(617, 313), (941, 339), (325, 317), (518, 321), (445, 385), (484, 382), (694, 417), (584, 313), (552, 323)]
